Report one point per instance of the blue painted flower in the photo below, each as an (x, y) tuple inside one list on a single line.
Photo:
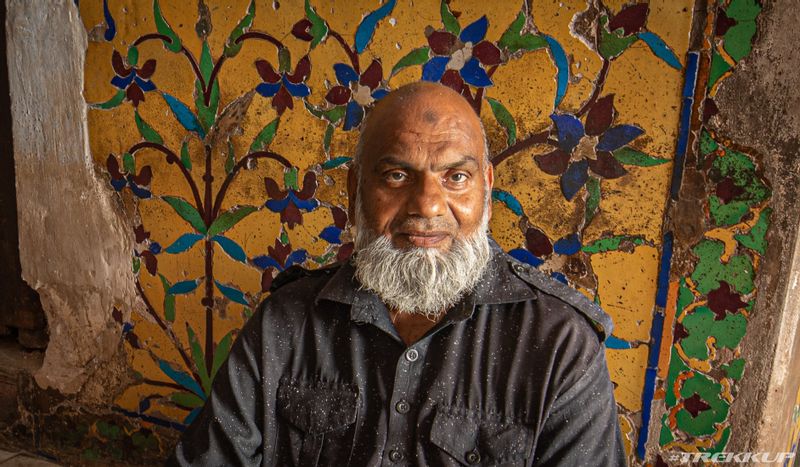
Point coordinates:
[(289, 202), (584, 147), (357, 91), (282, 86), (459, 60), (134, 81), (278, 258)]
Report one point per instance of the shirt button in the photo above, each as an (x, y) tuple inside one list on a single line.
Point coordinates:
[(473, 457), (395, 456), (402, 406), (412, 355)]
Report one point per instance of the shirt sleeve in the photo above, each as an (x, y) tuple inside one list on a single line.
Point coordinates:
[(582, 427), (228, 429)]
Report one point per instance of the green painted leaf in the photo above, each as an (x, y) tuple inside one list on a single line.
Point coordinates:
[(133, 55), (230, 160), (612, 45), (231, 47), (332, 115), (326, 141), (169, 300), (512, 39), (199, 360), (707, 143), (734, 369), (137, 263), (710, 270), (221, 353), (512, 32), (718, 68), (324, 258), (207, 114), (318, 29), (174, 44), (290, 179), (630, 156), (738, 41), (229, 218), (415, 57), (593, 202), (147, 132), (187, 399), (128, 163), (756, 238), (505, 119), (725, 214), (187, 212), (265, 136), (611, 244), (186, 160), (706, 422), (743, 10), (111, 103), (450, 22)]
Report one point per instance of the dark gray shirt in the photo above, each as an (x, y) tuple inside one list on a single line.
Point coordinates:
[(515, 374)]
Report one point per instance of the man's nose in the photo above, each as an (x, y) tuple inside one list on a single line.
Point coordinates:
[(428, 199)]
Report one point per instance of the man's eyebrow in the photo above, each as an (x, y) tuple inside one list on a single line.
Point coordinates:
[(464, 161), (394, 162), (398, 162)]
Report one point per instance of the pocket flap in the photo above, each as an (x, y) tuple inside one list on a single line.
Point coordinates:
[(472, 439), (315, 409)]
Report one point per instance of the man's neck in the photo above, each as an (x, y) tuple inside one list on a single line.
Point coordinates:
[(412, 326)]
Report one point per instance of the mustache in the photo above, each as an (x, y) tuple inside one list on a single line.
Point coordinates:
[(422, 225)]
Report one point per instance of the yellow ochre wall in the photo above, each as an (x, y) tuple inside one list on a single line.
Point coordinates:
[(544, 66)]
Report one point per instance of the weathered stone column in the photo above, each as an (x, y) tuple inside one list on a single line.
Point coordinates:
[(74, 248)]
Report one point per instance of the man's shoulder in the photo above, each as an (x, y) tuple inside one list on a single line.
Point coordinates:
[(552, 290), (306, 279)]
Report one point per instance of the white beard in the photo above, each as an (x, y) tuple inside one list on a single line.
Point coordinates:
[(425, 281)]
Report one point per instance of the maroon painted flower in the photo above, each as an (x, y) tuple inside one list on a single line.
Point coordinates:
[(281, 87), (134, 81)]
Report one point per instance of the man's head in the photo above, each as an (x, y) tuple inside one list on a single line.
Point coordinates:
[(419, 196)]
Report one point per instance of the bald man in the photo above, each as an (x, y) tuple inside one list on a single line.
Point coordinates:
[(430, 346)]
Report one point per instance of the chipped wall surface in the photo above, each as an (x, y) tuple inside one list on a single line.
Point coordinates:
[(74, 247), (223, 132)]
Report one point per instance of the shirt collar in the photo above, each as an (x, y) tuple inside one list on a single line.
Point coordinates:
[(498, 284)]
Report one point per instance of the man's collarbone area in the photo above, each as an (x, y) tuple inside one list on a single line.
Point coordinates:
[(296, 272)]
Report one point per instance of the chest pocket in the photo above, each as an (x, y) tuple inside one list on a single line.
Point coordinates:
[(472, 439), (320, 423)]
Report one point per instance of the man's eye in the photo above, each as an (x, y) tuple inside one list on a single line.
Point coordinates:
[(396, 176), (459, 177)]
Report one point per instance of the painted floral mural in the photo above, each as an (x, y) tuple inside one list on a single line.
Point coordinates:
[(227, 127)]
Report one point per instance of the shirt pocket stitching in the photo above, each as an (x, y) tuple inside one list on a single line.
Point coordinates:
[(461, 431)]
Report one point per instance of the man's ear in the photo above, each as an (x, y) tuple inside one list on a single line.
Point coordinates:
[(489, 185), (352, 189)]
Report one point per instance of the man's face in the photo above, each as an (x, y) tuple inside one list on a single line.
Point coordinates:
[(423, 174)]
